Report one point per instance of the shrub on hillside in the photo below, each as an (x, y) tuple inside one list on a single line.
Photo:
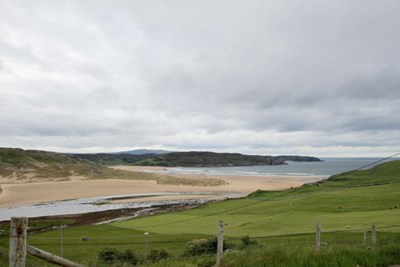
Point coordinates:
[(202, 246), (128, 257), (156, 255), (108, 255), (111, 256)]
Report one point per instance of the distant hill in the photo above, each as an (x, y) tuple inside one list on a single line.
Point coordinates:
[(114, 158), (191, 159), (211, 159), (298, 158), (120, 158), (143, 152)]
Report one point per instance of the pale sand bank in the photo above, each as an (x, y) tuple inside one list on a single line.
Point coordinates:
[(31, 193)]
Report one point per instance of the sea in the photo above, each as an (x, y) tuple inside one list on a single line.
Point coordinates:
[(322, 169)]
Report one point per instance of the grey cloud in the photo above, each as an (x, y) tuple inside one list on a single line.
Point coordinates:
[(373, 123), (232, 75), (382, 84)]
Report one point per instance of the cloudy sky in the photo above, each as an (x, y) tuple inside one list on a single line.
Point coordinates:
[(317, 78)]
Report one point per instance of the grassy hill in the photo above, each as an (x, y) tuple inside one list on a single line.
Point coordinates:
[(19, 163), (384, 173), (280, 226), (190, 159), (33, 165), (211, 159), (114, 159)]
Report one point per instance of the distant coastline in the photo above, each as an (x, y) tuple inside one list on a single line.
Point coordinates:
[(192, 159)]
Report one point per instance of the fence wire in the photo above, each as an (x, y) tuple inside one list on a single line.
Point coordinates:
[(79, 251)]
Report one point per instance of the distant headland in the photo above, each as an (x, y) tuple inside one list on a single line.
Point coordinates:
[(191, 159)]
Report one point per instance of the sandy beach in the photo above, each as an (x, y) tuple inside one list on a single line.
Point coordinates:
[(15, 194)]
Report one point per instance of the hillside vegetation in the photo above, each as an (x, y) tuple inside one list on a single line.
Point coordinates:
[(114, 159), (211, 159), (191, 159), (20, 164), (384, 173), (267, 228)]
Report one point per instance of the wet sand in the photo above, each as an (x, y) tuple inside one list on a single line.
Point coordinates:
[(14, 194)]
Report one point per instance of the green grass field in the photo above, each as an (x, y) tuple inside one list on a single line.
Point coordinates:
[(282, 222)]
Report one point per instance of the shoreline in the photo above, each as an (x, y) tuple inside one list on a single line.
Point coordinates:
[(17, 194)]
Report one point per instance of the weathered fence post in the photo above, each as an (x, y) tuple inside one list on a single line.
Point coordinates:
[(146, 235), (373, 235), (220, 244), (61, 241), (318, 237), (365, 237), (17, 254)]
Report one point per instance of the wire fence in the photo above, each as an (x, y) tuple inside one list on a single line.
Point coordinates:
[(75, 248)]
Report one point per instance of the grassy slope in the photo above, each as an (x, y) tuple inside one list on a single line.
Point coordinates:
[(207, 159), (41, 164), (282, 221), (114, 159), (190, 159)]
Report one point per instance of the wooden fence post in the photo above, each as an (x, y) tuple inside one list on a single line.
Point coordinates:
[(17, 253), (220, 244), (318, 237), (373, 235), (62, 241), (365, 237), (147, 243)]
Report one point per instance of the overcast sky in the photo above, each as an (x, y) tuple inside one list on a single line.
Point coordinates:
[(317, 78)]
